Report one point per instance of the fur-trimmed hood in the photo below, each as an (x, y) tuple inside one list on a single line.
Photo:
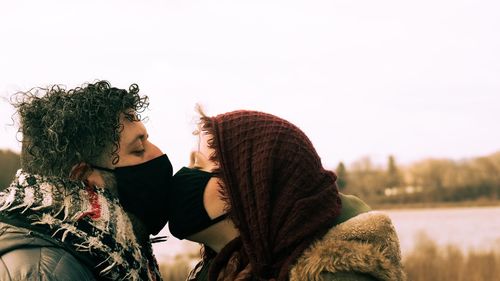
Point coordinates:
[(366, 244)]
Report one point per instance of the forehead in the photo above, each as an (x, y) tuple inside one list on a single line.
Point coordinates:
[(132, 130), (203, 138)]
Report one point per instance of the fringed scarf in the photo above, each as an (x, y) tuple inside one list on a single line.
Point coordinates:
[(86, 220), (280, 197)]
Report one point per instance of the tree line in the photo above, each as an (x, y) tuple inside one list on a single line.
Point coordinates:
[(9, 163), (426, 181)]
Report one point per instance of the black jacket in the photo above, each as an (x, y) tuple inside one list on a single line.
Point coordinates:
[(28, 255)]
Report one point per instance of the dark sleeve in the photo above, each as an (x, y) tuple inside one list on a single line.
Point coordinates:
[(42, 263), (346, 276)]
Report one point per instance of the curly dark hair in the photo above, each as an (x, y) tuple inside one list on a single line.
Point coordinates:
[(62, 127)]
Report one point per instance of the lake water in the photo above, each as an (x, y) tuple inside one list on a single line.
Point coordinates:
[(468, 228)]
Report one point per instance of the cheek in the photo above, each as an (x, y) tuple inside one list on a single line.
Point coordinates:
[(207, 152), (125, 159), (214, 205)]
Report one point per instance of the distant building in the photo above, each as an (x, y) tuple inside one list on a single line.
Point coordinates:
[(393, 191)]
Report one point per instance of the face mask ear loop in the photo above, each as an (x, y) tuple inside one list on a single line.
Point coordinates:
[(102, 168), (158, 239), (219, 218)]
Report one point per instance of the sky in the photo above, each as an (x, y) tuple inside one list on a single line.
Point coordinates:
[(414, 79)]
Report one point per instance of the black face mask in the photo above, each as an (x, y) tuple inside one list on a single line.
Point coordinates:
[(187, 211), (143, 190)]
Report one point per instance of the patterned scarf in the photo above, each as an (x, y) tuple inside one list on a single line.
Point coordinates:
[(86, 220)]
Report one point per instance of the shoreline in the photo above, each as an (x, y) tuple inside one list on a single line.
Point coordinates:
[(437, 205)]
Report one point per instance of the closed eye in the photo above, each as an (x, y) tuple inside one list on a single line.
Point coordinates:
[(138, 152)]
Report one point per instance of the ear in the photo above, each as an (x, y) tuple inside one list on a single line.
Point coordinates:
[(212, 200), (80, 171), (84, 172)]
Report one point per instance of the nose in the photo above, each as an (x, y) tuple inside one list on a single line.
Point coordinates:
[(192, 159), (200, 161), (152, 151)]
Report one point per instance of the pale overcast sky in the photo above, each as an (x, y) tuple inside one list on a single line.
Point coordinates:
[(415, 79)]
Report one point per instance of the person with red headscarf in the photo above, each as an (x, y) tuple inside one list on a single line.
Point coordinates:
[(259, 199)]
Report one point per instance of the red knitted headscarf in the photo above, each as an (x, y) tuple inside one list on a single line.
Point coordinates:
[(280, 197)]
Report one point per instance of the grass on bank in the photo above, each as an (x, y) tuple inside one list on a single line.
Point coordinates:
[(426, 262), (175, 271)]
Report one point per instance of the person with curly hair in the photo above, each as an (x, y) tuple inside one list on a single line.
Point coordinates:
[(79, 208), (258, 198)]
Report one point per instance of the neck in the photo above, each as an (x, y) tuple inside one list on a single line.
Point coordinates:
[(216, 236)]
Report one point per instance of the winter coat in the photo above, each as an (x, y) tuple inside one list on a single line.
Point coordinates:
[(365, 247), (57, 229), (362, 246), (28, 255)]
